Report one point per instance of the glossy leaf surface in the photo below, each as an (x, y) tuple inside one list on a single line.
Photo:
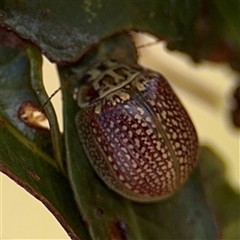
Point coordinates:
[(25, 152), (110, 216), (224, 199), (65, 30)]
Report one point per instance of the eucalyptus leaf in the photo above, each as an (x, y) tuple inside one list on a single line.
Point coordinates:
[(26, 154), (224, 199), (64, 29), (230, 14), (186, 215)]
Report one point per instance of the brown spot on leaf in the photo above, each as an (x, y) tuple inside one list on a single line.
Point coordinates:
[(34, 175), (118, 230), (10, 39), (2, 123), (223, 52), (84, 221), (99, 212), (29, 113), (45, 12), (31, 146)]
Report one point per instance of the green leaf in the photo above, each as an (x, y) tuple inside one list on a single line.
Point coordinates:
[(65, 29), (186, 215), (230, 13), (35, 59), (25, 152), (224, 199)]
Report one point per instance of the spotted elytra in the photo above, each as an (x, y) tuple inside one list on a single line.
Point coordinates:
[(135, 132)]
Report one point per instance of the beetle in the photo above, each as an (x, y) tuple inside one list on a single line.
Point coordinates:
[(134, 130)]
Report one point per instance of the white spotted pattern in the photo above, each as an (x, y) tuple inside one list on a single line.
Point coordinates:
[(136, 134)]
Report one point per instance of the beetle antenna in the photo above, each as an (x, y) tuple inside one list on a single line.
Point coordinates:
[(52, 95), (149, 44)]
